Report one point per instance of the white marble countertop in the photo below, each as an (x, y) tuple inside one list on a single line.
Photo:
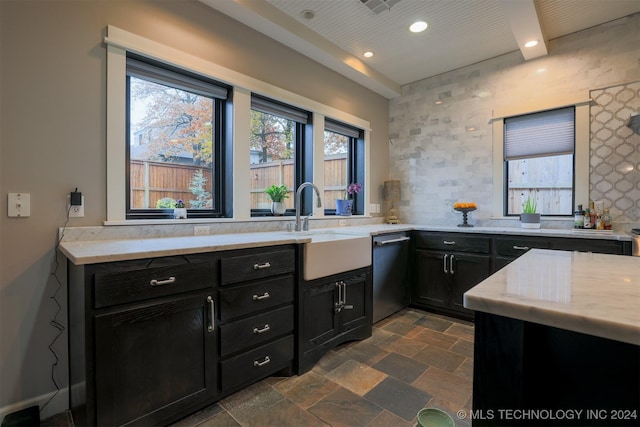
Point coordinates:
[(594, 294), (120, 249)]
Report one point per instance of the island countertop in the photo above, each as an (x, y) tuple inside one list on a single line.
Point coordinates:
[(590, 293)]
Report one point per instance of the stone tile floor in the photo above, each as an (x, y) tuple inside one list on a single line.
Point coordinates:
[(413, 359)]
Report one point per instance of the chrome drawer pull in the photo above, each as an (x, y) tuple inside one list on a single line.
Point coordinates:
[(156, 282), (262, 330), (264, 362), (261, 266), (261, 297), (213, 314), (521, 248), (449, 242)]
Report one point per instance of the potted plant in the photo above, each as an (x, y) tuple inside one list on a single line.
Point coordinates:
[(344, 207), (277, 193), (180, 210), (529, 218)]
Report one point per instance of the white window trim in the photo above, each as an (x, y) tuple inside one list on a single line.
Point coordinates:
[(119, 42), (581, 153)]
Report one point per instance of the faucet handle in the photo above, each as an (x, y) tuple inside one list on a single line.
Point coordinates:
[(305, 223)]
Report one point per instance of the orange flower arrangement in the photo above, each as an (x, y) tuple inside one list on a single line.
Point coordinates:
[(464, 205)]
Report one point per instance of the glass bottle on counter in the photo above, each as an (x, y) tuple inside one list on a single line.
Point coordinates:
[(587, 219), (579, 217), (592, 213), (606, 220)]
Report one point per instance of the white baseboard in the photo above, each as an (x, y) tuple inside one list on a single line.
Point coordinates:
[(59, 403)]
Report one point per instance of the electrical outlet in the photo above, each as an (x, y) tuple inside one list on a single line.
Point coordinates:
[(342, 222), (201, 230), (599, 206), (76, 211)]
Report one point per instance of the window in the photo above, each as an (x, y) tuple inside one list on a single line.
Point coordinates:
[(539, 161), (278, 151), (343, 164), (175, 149)]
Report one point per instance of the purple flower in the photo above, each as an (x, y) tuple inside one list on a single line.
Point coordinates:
[(354, 188), (180, 204)]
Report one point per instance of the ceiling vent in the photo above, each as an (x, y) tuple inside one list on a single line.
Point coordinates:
[(377, 6)]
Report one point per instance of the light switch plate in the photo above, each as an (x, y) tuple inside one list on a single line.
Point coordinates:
[(19, 205)]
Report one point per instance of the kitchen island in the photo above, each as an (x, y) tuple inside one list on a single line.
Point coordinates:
[(557, 341)]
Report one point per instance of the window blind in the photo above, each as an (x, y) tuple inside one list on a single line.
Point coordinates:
[(270, 106), (162, 74), (543, 134), (341, 128)]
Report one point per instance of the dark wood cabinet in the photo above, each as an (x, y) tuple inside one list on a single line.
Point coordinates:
[(143, 340), (155, 359), (447, 264), (443, 276), (256, 315), (333, 310)]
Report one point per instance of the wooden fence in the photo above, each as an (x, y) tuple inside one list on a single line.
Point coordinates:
[(153, 181), (549, 182)]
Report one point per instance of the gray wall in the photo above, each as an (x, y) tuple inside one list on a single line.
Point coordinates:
[(52, 139), (440, 161)]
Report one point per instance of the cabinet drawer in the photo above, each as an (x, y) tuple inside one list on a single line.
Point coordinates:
[(245, 299), (256, 266), (516, 246), (257, 363), (255, 330), (130, 285), (453, 242)]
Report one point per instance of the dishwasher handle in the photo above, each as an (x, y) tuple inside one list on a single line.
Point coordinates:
[(390, 241)]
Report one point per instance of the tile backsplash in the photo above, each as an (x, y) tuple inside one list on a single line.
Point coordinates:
[(614, 168), (440, 141)]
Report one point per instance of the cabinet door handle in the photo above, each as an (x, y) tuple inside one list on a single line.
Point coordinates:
[(444, 264), (156, 282), (262, 330), (338, 305), (449, 242), (344, 298), (451, 265), (521, 248), (212, 305), (261, 266), (264, 361), (261, 297)]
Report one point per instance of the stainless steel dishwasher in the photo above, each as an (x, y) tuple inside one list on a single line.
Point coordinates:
[(390, 293)]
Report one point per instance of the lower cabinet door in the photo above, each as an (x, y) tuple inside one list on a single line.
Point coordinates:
[(467, 271), (433, 279), (154, 360), (356, 298), (320, 323)]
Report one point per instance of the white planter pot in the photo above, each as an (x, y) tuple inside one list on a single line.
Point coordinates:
[(180, 213), (530, 220), (278, 208)]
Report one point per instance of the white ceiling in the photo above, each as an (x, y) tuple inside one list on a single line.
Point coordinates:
[(460, 32)]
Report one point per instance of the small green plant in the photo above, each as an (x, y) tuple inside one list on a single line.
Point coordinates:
[(165, 203), (529, 206), (277, 193)]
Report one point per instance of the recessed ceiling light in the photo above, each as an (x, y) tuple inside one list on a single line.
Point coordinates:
[(368, 54), (418, 27), (308, 14), (531, 43), (438, 102)]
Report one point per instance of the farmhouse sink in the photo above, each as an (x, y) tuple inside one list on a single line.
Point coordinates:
[(330, 253)]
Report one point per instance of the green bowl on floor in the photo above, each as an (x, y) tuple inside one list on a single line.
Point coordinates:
[(434, 417)]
